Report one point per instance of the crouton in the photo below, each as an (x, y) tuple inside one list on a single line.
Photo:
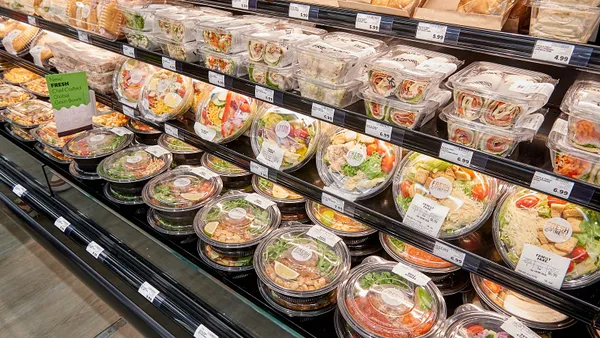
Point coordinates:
[(567, 246), (559, 252), (575, 224), (462, 175), (542, 238), (557, 209), (428, 182), (572, 211), (421, 175)]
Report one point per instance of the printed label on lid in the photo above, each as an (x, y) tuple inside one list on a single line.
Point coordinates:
[(558, 230), (440, 187), (237, 213), (301, 254)]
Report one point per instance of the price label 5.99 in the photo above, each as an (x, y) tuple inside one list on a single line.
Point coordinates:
[(368, 22), (431, 32), (299, 11)]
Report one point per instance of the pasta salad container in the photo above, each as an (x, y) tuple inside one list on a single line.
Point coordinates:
[(281, 78), (488, 138), (563, 21), (338, 95), (183, 153), (226, 36), (410, 74), (47, 135), (289, 203), (231, 64), (474, 323), (165, 96), (184, 51), (223, 261), (337, 57), (403, 114), (128, 80), (11, 95), (415, 258), (142, 39), (498, 95), (582, 103), (141, 17)]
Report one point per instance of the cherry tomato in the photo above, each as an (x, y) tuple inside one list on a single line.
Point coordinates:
[(475, 329), (382, 148), (387, 163), (552, 200), (301, 133), (181, 92), (527, 202), (493, 287), (371, 148), (579, 254), (470, 172), (179, 79), (571, 266), (245, 107), (480, 191), (405, 188)]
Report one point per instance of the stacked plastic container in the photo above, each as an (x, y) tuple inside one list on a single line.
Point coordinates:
[(101, 17), (140, 27), (496, 106), (19, 40), (564, 20)]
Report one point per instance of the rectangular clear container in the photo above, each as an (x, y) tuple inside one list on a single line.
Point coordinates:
[(338, 95), (338, 57), (142, 39), (101, 17), (177, 26), (83, 57), (582, 104), (281, 78), (231, 64), (19, 41), (141, 17), (410, 74), (498, 95), (183, 51), (226, 36), (28, 7), (568, 22)]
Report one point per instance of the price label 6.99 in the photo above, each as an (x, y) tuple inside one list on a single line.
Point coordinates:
[(455, 154), (552, 185), (379, 130)]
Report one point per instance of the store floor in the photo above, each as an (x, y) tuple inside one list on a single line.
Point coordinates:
[(41, 298)]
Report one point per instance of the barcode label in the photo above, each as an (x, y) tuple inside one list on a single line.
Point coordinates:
[(94, 249), (62, 224), (148, 291), (19, 190), (129, 51)]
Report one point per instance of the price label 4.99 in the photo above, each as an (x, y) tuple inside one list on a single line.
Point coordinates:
[(368, 22), (552, 52)]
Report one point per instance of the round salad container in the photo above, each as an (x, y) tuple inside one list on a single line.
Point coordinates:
[(451, 283), (223, 262), (178, 228), (92, 146), (47, 135), (128, 80), (415, 258), (234, 178), (20, 134), (165, 96), (110, 119), (224, 115), (474, 324), (29, 114), (528, 311), (595, 333), (351, 231), (12, 95), (363, 250), (469, 195), (144, 133), (300, 273), (581, 104), (376, 302), (289, 203), (283, 139), (355, 165), (525, 216), (183, 153), (81, 174), (52, 154)]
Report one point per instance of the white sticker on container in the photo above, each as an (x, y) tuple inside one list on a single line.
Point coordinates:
[(319, 233), (533, 122), (299, 11), (19, 190), (561, 126), (83, 36), (216, 79), (171, 130), (394, 297), (264, 94), (259, 170), (270, 154), (94, 249), (455, 154), (282, 129), (129, 51), (148, 291), (121, 131), (425, 215), (301, 253), (431, 32), (128, 111), (204, 172), (182, 182), (379, 130), (322, 112), (367, 22), (332, 202), (551, 185), (558, 230), (169, 64), (543, 266), (259, 201), (552, 52), (237, 213), (515, 328), (356, 155), (411, 274), (241, 4), (438, 67), (203, 332), (134, 159), (157, 151), (204, 132), (449, 254), (440, 187), (32, 20), (62, 224), (532, 88)]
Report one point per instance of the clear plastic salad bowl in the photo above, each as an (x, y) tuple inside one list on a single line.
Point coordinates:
[(165, 96), (133, 165), (413, 257)]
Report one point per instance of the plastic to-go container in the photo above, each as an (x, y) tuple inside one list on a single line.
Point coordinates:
[(19, 41), (415, 258), (133, 165), (474, 323), (165, 96), (488, 138), (411, 116), (52, 154), (289, 203), (498, 95), (563, 21), (129, 79), (47, 135), (142, 39), (141, 17), (101, 17), (29, 114), (144, 133), (520, 215), (582, 104), (183, 153), (20, 134), (510, 303), (90, 147), (234, 178), (112, 119), (226, 36), (37, 87), (281, 78), (177, 26), (410, 74), (283, 139), (18, 75), (12, 95), (338, 223), (354, 165), (470, 196), (338, 95), (224, 262), (184, 51), (224, 116), (376, 302), (231, 64)]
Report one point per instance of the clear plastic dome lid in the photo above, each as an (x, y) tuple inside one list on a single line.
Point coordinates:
[(222, 167), (336, 222), (165, 96), (182, 189), (235, 221), (47, 135), (357, 165), (468, 195), (283, 139), (134, 164), (98, 143), (416, 258), (129, 79), (525, 217), (142, 128), (582, 100), (224, 115), (475, 324), (30, 114), (11, 95), (293, 262), (377, 302), (274, 191), (176, 146)]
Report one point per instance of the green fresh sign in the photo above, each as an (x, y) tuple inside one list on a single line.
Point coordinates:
[(68, 90)]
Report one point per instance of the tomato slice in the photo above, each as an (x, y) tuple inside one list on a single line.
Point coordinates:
[(527, 202), (480, 191), (553, 200)]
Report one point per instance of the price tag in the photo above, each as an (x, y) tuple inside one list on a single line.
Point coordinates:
[(32, 20), (379, 130), (299, 11), (455, 154), (129, 51), (83, 36), (411, 274), (515, 328), (561, 126), (169, 64), (449, 254), (532, 88), (552, 52), (171, 130), (241, 4), (94, 249), (62, 224), (532, 121), (367, 22), (19, 190), (264, 94), (332, 202), (271, 154), (203, 332), (431, 32), (543, 266), (148, 291), (121, 131), (216, 79), (128, 111), (425, 215), (259, 201), (259, 170), (157, 151), (203, 172), (204, 132), (552, 185), (319, 233), (322, 112)]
